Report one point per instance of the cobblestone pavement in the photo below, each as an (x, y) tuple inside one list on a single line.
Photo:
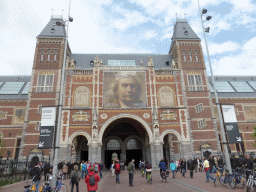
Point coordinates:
[(108, 184)]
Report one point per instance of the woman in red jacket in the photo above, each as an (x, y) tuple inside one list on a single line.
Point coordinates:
[(87, 179)]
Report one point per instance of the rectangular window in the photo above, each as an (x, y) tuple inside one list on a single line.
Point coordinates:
[(196, 56), (42, 55), (38, 125), (199, 108), (45, 83), (198, 82), (201, 124), (49, 54), (191, 83), (190, 55), (55, 55), (184, 55)]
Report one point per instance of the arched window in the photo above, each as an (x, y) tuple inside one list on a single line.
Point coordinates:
[(82, 97), (166, 96), (133, 144), (113, 144)]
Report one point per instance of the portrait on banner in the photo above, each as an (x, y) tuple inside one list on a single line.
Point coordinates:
[(124, 89)]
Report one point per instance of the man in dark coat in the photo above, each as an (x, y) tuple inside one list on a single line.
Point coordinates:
[(195, 164), (183, 167), (69, 168), (47, 168), (35, 174), (191, 166)]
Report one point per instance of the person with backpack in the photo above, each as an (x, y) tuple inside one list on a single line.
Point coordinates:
[(83, 169), (96, 167), (162, 166), (131, 170), (173, 168), (36, 175), (75, 178), (148, 168), (92, 180), (117, 168)]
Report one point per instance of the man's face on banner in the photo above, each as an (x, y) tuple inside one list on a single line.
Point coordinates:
[(127, 90)]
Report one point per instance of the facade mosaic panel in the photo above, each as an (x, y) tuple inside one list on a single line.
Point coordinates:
[(166, 96), (82, 97), (250, 112), (19, 116), (124, 89)]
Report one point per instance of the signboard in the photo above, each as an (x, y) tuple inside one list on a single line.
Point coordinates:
[(48, 116), (47, 128), (46, 137), (230, 122)]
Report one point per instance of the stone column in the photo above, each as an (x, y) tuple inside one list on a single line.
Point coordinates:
[(94, 152), (64, 152), (156, 154)]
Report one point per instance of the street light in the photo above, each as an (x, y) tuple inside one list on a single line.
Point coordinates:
[(204, 11), (54, 171)]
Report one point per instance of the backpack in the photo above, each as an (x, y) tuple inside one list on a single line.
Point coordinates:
[(96, 167), (74, 178), (92, 180), (117, 167), (129, 168)]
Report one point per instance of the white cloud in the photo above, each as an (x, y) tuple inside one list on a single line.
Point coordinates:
[(215, 48), (150, 34), (250, 45)]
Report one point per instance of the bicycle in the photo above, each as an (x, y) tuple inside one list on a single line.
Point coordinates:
[(46, 187), (164, 176), (149, 176), (236, 180), (251, 182), (219, 177), (60, 187), (31, 187)]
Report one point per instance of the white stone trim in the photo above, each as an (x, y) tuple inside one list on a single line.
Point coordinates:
[(170, 131), (125, 115), (83, 133)]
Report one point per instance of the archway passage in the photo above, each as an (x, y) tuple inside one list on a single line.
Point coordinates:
[(128, 139), (171, 149), (80, 149)]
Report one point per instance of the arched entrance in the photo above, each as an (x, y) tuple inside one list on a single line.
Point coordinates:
[(128, 139), (79, 148)]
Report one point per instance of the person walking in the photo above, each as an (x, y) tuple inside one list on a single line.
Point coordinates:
[(69, 168), (60, 166), (183, 167), (101, 169), (96, 167), (88, 166), (47, 168), (162, 166), (83, 169), (191, 166), (173, 169), (92, 180), (75, 179), (65, 171), (195, 164), (117, 168), (131, 170), (207, 170), (177, 165), (112, 168), (36, 175)]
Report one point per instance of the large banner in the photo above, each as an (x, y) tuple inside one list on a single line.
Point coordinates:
[(124, 89), (231, 124), (47, 127)]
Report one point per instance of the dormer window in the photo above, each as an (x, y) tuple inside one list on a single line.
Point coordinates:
[(42, 55)]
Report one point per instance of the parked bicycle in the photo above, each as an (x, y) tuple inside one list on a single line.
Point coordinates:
[(220, 176), (251, 182), (60, 186), (238, 179), (30, 187)]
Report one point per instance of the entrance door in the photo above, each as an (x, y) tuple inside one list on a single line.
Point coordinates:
[(84, 151), (113, 150), (134, 151)]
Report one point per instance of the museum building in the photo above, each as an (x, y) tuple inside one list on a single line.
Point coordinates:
[(129, 106)]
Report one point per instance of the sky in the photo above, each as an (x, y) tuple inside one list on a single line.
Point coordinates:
[(131, 26)]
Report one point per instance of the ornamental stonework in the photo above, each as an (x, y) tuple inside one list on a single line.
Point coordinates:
[(103, 116), (81, 116), (168, 115), (146, 115), (3, 115)]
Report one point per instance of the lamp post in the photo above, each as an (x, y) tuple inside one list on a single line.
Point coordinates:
[(60, 23), (204, 11)]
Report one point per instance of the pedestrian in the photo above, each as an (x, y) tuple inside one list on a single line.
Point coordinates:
[(207, 170), (96, 167), (36, 175), (69, 168), (88, 166), (191, 166), (47, 168), (92, 180), (75, 179), (83, 169), (65, 171), (177, 165), (60, 166), (131, 170), (86, 170), (112, 168), (195, 164), (173, 168), (148, 168), (183, 167), (162, 166), (101, 169), (117, 168)]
